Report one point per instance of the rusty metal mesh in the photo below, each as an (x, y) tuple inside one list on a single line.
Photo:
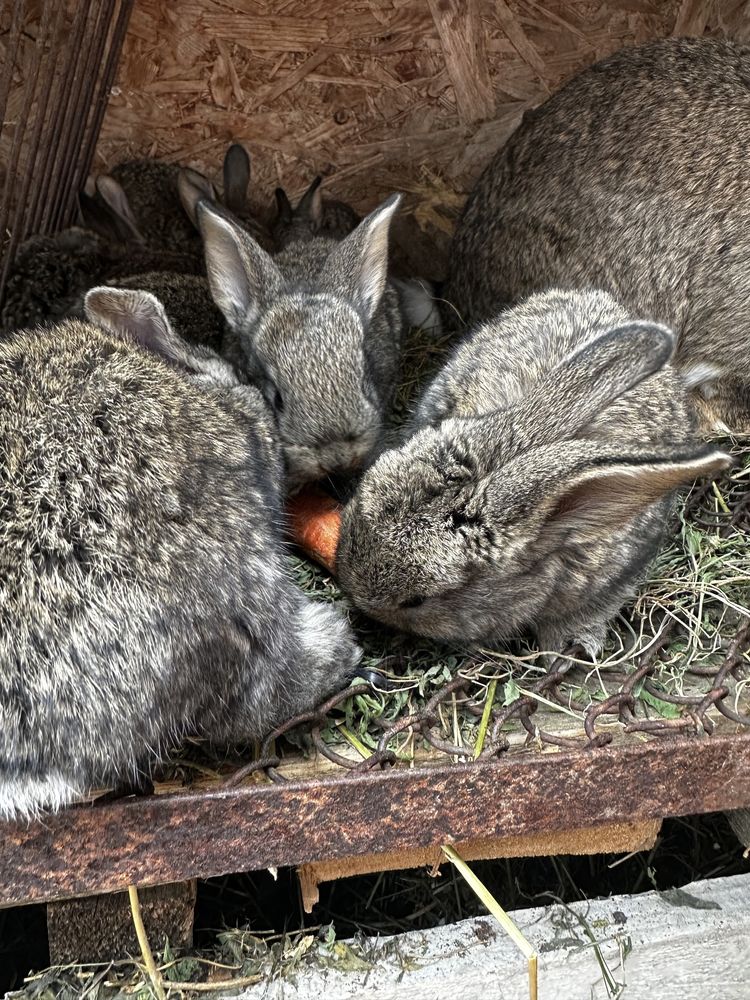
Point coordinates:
[(632, 697), (58, 62)]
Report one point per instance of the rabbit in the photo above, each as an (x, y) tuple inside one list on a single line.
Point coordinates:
[(49, 274), (194, 186), (187, 301), (318, 328), (312, 217), (535, 486), (146, 592), (146, 192), (632, 178)]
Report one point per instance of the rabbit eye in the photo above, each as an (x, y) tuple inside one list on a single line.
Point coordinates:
[(278, 402), (413, 602)]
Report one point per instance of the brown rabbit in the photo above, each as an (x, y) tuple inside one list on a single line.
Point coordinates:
[(633, 178)]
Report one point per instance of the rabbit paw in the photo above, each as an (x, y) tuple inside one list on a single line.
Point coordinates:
[(555, 640)]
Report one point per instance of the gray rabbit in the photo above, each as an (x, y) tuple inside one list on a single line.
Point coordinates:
[(318, 328), (50, 274), (634, 178), (145, 589), (194, 187), (145, 194), (312, 216), (535, 488)]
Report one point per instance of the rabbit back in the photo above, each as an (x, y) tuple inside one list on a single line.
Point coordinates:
[(145, 590), (632, 178)]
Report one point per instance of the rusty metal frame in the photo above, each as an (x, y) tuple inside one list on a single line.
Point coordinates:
[(164, 838)]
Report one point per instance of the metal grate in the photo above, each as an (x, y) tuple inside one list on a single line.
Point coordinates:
[(58, 62)]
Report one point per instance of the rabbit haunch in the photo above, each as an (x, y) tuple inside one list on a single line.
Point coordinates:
[(633, 178), (145, 592), (535, 487)]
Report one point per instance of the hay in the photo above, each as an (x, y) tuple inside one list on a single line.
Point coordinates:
[(376, 95)]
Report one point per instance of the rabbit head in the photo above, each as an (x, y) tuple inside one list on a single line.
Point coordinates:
[(310, 341), (194, 187), (312, 216), (136, 241), (482, 527), (146, 191)]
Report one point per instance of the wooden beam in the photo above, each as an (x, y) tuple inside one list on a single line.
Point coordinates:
[(171, 838), (611, 838)]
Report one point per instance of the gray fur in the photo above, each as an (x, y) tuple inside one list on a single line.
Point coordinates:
[(50, 274), (633, 178), (318, 328), (149, 189), (145, 590), (535, 487), (312, 216)]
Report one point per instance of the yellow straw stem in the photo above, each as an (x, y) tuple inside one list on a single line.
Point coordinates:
[(355, 741), (484, 894), (140, 932), (484, 724)]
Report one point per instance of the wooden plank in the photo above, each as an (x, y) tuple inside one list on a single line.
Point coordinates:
[(691, 943), (172, 838), (610, 838)]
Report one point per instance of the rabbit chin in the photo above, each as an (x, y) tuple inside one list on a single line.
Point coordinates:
[(308, 465), (455, 618)]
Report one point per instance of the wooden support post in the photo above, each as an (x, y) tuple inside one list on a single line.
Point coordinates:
[(100, 928)]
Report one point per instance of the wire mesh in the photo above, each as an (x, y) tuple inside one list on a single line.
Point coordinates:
[(59, 58), (631, 697)]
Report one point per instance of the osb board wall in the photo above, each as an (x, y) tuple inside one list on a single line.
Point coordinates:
[(376, 95)]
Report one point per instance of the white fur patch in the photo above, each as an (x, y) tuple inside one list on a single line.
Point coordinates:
[(418, 305), (27, 797), (702, 376)]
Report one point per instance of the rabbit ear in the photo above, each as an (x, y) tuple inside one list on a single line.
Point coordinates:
[(284, 211), (609, 493), (358, 267), (241, 275), (236, 178), (192, 186), (310, 206), (584, 383), (116, 200), (138, 315), (97, 217)]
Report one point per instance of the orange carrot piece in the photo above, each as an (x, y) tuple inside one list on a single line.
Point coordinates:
[(315, 523)]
